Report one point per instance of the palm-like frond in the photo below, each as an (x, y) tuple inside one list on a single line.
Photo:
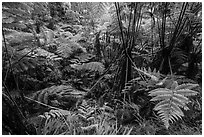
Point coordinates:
[(98, 9), (171, 100)]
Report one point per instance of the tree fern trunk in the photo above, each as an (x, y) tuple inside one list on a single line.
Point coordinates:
[(165, 66), (98, 46), (192, 69), (126, 71)]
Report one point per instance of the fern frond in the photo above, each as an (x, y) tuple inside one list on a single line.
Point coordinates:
[(92, 112), (22, 64), (64, 51), (66, 48), (86, 111), (90, 127), (58, 95), (98, 9), (56, 113), (171, 101), (85, 57), (39, 52), (154, 76), (152, 73)]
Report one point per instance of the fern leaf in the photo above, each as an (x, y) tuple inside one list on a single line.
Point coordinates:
[(85, 57), (186, 86), (82, 111), (164, 102), (56, 114), (149, 70), (162, 97), (88, 128), (176, 108), (57, 95), (67, 48), (172, 100), (186, 92), (98, 9), (90, 118), (162, 106), (46, 115), (82, 116), (160, 91), (181, 97), (179, 103), (154, 76), (64, 51), (94, 66), (169, 114)]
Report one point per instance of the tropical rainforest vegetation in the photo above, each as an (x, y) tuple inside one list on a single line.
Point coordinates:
[(102, 68)]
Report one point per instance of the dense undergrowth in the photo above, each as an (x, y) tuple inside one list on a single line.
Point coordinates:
[(101, 68)]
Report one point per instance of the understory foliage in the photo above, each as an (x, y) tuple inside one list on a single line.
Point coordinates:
[(101, 68), (171, 100)]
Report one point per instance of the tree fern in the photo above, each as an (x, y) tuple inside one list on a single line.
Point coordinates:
[(171, 100)]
